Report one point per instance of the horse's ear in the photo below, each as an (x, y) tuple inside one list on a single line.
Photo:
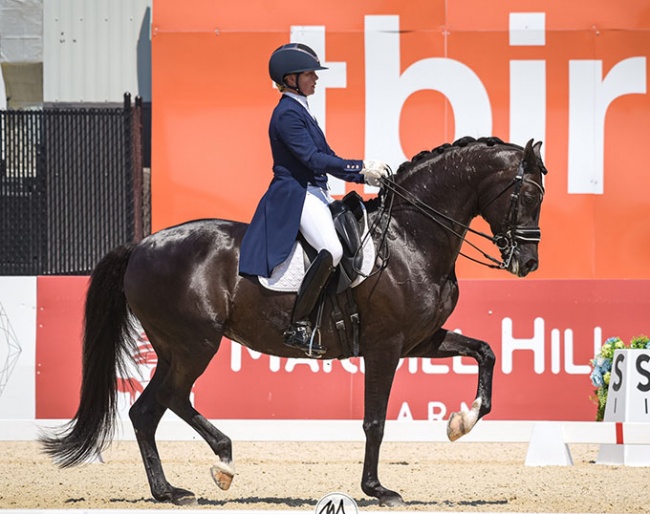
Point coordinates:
[(533, 157)]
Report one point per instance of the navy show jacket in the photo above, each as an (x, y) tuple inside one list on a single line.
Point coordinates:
[(301, 157)]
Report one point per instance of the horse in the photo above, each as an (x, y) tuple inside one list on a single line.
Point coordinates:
[(182, 285)]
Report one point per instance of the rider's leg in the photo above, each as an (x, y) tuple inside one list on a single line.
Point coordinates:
[(317, 228)]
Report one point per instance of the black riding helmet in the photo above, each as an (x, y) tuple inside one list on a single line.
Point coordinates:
[(292, 58)]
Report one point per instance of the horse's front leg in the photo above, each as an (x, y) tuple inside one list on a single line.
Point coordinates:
[(450, 344), (380, 371)]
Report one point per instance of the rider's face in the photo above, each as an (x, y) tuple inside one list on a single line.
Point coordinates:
[(306, 81)]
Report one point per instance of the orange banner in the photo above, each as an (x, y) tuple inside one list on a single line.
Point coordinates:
[(410, 76)]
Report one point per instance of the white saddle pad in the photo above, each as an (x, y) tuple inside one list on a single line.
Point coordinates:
[(287, 276)]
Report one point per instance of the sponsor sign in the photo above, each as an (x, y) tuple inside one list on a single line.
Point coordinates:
[(408, 77), (543, 332)]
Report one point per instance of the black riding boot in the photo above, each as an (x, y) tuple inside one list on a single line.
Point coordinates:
[(299, 332)]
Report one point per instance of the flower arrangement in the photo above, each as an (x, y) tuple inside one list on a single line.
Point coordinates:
[(602, 367)]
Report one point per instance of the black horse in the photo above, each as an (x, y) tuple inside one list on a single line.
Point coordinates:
[(182, 285)]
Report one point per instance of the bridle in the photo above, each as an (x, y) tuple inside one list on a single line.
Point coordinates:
[(506, 241)]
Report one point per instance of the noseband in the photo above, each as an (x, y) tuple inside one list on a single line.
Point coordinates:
[(506, 242)]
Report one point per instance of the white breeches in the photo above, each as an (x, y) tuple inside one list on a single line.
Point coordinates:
[(316, 223)]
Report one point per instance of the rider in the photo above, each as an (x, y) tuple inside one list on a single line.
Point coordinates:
[(297, 197)]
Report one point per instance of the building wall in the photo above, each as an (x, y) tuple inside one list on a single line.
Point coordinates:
[(21, 53), (96, 51)]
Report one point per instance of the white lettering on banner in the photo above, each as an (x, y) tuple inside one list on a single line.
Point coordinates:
[(428, 367), (528, 102), (387, 90), (536, 345), (405, 413), (527, 80), (275, 363), (569, 366), (236, 356), (509, 345), (436, 411), (310, 363), (589, 99)]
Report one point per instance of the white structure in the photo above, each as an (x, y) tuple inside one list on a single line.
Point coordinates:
[(96, 51), (628, 397), (74, 51)]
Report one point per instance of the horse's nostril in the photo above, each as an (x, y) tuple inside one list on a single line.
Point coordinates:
[(531, 264)]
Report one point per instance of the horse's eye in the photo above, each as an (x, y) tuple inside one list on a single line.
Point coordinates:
[(528, 200)]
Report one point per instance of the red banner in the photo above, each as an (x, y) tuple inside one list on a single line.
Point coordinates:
[(543, 333)]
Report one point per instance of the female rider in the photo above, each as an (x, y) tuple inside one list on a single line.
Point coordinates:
[(297, 198)]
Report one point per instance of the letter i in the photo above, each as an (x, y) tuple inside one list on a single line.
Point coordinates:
[(527, 80)]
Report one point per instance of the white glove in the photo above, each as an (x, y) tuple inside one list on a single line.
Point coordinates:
[(373, 171)]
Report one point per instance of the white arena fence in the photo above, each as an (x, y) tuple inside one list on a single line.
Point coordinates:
[(573, 432)]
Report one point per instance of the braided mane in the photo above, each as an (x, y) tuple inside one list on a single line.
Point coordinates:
[(459, 143)]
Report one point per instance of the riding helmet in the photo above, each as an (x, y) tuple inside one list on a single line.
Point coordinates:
[(292, 58)]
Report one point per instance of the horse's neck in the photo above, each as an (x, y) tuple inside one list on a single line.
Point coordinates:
[(449, 184)]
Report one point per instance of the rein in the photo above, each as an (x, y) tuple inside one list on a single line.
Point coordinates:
[(506, 242)]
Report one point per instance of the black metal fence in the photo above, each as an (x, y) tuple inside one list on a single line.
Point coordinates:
[(71, 187)]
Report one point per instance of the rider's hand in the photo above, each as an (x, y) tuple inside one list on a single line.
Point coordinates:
[(373, 171)]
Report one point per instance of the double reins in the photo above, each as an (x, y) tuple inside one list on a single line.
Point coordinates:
[(506, 242)]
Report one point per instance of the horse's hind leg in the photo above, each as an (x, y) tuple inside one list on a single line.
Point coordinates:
[(170, 389), (174, 393), (450, 344), (145, 416)]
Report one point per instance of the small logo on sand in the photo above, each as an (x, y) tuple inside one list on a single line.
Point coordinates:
[(336, 503)]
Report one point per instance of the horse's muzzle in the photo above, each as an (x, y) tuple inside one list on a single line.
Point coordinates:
[(522, 267)]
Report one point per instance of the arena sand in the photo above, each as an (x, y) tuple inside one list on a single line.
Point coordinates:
[(459, 476)]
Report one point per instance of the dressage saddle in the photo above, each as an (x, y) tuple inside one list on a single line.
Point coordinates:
[(349, 222)]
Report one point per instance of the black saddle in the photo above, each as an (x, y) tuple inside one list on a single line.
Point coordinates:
[(349, 222)]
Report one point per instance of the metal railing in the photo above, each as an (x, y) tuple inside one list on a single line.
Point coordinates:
[(71, 187)]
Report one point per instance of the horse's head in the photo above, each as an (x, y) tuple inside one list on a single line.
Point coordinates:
[(512, 206)]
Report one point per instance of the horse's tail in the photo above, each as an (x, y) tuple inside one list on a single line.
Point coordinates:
[(107, 339)]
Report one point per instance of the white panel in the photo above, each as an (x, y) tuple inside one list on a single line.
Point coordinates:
[(94, 50), (17, 347), (527, 29), (21, 31), (527, 101)]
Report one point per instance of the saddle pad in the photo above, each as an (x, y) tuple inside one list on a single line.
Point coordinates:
[(287, 276)]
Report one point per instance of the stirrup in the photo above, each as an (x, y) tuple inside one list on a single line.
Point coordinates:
[(299, 335)]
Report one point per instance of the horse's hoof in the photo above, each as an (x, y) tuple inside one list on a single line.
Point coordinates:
[(183, 497), (222, 474), (456, 426), (392, 500)]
